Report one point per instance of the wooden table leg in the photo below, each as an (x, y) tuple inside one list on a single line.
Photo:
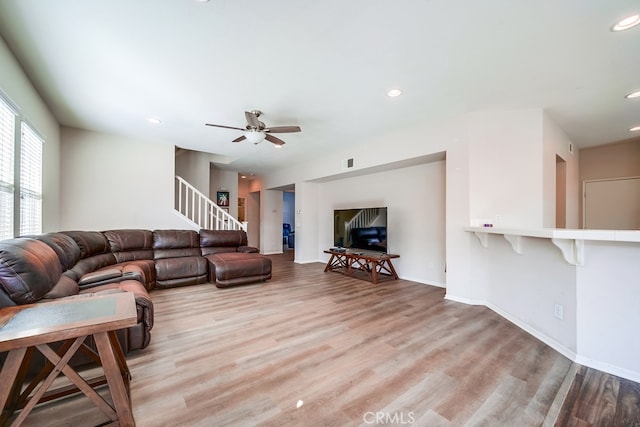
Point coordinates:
[(113, 373), (329, 263), (392, 270), (9, 387), (122, 361)]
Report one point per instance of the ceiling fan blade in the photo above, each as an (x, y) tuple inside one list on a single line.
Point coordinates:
[(283, 129), (240, 138), (221, 126), (252, 119), (273, 139)]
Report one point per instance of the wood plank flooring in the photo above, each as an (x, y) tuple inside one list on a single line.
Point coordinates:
[(310, 348), (596, 398)]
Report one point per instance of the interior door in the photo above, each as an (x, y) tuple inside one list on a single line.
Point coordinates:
[(612, 204)]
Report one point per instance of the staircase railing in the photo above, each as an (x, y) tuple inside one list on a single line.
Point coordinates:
[(362, 219), (202, 211)]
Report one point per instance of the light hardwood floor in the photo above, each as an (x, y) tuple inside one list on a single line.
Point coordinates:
[(310, 348)]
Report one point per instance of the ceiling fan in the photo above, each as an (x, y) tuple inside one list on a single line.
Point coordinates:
[(256, 131)]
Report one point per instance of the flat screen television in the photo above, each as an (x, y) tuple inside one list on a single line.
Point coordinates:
[(361, 228)]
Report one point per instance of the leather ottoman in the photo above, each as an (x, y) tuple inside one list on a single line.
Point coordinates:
[(238, 268)]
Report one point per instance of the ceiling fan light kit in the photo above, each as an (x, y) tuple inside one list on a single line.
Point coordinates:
[(254, 136), (255, 131)]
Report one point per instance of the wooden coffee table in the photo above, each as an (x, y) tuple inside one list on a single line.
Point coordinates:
[(371, 263), (23, 329)]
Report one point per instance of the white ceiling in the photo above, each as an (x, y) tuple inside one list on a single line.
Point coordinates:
[(108, 65)]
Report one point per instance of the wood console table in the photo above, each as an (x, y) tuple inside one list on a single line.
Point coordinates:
[(369, 262), (26, 328)]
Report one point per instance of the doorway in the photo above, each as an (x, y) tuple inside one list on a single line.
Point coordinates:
[(561, 192), (288, 220)]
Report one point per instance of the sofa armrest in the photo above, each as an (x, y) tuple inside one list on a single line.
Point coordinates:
[(99, 276), (106, 276), (137, 337), (248, 249)]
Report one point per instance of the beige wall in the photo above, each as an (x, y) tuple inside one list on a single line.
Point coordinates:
[(618, 160), (15, 84), (106, 182)]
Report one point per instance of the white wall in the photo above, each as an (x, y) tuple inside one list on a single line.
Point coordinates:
[(415, 201), (271, 222), (599, 298), (253, 218), (556, 142), (307, 222), (107, 182), (505, 168), (17, 86), (525, 287), (608, 295)]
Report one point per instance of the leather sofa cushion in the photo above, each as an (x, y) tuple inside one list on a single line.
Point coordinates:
[(223, 241), (64, 288), (5, 301), (100, 275), (173, 239), (175, 253), (143, 267), (144, 304), (29, 269), (65, 247), (89, 242), (223, 238), (90, 264), (228, 269), (175, 244), (178, 268), (126, 240), (142, 270), (130, 245)]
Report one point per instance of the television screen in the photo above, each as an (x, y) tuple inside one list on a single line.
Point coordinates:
[(364, 228)]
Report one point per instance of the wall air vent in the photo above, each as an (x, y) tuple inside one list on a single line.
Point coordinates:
[(347, 164)]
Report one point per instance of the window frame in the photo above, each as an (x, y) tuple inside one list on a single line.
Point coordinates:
[(15, 188)]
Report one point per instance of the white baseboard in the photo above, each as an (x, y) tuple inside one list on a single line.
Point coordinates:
[(308, 261), (565, 351), (609, 368), (430, 283), (467, 301)]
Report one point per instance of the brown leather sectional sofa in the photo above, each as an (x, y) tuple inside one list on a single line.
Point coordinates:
[(69, 263)]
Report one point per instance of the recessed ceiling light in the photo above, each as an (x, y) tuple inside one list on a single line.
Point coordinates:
[(154, 121), (635, 129), (277, 146), (632, 95), (394, 92), (243, 176), (626, 23)]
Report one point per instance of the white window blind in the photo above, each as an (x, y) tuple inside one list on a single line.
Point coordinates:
[(7, 143), (30, 181)]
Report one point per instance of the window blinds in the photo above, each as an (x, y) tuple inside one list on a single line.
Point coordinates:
[(7, 143), (30, 181)]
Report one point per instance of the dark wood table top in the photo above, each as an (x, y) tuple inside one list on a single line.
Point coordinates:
[(33, 324)]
